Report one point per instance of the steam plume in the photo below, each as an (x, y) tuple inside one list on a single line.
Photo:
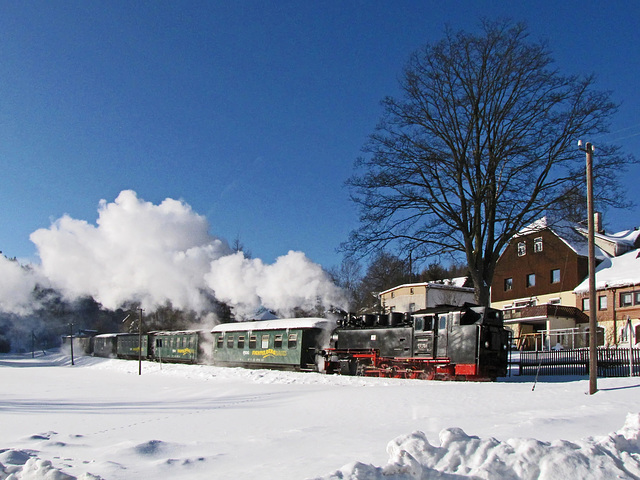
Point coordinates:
[(154, 254)]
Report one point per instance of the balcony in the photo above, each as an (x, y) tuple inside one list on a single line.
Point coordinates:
[(541, 313)]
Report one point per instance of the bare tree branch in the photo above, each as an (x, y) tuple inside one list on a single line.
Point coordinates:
[(480, 144)]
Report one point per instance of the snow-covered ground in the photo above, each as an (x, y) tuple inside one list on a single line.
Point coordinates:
[(100, 419)]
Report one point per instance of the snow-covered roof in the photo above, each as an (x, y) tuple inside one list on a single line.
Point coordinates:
[(620, 271), (630, 237), (535, 227), (175, 332), (278, 324), (449, 283), (613, 244)]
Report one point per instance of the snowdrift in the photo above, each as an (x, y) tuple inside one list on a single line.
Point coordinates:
[(412, 457)]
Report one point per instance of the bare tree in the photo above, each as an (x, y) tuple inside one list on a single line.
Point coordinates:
[(481, 142)]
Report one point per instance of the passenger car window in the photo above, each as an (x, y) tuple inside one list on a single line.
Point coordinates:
[(265, 341), (277, 341), (293, 340), (253, 341)]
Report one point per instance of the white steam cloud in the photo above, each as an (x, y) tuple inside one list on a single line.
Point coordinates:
[(292, 281), (155, 254), (16, 287)]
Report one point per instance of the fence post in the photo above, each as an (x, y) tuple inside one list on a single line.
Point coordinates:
[(630, 327)]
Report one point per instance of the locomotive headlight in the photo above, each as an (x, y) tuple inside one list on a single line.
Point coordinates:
[(486, 344)]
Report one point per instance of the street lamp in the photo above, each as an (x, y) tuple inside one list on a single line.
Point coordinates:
[(593, 323)]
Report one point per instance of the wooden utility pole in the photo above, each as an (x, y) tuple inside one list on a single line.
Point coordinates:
[(593, 321), (71, 341), (140, 343)]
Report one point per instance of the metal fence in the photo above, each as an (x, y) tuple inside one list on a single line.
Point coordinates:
[(612, 362)]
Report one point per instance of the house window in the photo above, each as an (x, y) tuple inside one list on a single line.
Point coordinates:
[(637, 298), (585, 304), (626, 299), (411, 291), (555, 275), (531, 280), (522, 249), (602, 302), (508, 284), (537, 245), (525, 303)]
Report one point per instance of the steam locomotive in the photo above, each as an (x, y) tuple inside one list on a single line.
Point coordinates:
[(445, 343)]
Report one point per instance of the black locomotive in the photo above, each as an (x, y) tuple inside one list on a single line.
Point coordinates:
[(460, 343)]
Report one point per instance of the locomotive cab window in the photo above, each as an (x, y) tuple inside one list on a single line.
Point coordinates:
[(428, 323), (443, 323), (418, 324)]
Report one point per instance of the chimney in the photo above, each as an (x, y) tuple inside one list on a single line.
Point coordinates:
[(597, 222)]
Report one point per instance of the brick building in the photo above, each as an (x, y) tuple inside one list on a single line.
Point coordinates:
[(617, 297)]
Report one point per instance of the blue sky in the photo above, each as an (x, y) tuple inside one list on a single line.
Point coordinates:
[(252, 112)]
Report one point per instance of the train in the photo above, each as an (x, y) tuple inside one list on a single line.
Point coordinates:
[(442, 343)]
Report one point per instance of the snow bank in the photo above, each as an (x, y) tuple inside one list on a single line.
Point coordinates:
[(462, 456), (21, 466)]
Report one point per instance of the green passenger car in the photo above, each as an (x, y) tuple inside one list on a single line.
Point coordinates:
[(182, 347), (128, 345), (290, 344), (105, 345)]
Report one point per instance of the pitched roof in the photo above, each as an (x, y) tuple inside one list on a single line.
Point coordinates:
[(456, 283), (615, 272)]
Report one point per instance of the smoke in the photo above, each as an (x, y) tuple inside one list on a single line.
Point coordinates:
[(17, 284), (293, 281), (159, 254)]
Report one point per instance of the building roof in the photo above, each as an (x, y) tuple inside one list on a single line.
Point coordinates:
[(614, 244), (456, 283), (620, 271)]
